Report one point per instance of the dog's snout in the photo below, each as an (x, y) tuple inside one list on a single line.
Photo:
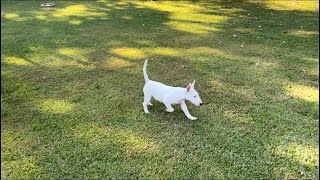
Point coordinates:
[(200, 104)]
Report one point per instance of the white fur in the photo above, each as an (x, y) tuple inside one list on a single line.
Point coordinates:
[(169, 95)]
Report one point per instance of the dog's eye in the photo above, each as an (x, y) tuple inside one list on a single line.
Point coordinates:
[(194, 96)]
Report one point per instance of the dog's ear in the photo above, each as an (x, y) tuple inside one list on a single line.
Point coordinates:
[(192, 85), (189, 87)]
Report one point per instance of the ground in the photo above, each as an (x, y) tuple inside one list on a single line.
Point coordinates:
[(71, 89)]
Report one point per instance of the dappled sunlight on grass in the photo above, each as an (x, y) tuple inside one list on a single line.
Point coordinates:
[(247, 95), (134, 53), (314, 72), (131, 53), (309, 94), (237, 117), (73, 57), (10, 15), (142, 53), (13, 16), (306, 5), (41, 17), (204, 51), (72, 90), (127, 17), (27, 167), (16, 61), (16, 151), (306, 155), (130, 141), (55, 106), (117, 63), (217, 84), (75, 22), (69, 61), (134, 142), (79, 10), (303, 33), (186, 17)]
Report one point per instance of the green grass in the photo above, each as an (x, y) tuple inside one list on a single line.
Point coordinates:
[(71, 89)]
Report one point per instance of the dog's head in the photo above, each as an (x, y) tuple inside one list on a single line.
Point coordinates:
[(192, 95)]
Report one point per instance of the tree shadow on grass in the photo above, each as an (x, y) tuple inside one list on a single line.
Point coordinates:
[(241, 126)]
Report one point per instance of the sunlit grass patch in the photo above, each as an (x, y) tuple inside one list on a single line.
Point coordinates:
[(13, 16), (131, 53), (187, 17), (41, 17), (307, 5), (304, 33), (304, 92), (116, 63), (72, 57), (10, 15), (79, 10), (237, 118), (56, 61), (16, 61), (127, 17), (165, 51), (56, 106), (27, 167), (71, 51), (306, 155), (98, 135), (217, 84)]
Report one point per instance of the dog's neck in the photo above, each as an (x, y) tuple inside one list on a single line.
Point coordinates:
[(182, 95)]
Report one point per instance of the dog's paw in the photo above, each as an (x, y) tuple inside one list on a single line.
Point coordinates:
[(170, 110), (192, 118), (147, 112), (150, 104)]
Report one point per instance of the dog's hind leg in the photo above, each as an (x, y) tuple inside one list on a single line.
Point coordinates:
[(169, 107), (146, 102)]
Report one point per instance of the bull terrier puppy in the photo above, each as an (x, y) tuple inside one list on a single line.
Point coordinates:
[(169, 95)]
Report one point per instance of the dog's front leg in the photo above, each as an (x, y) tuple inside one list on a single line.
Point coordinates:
[(186, 111)]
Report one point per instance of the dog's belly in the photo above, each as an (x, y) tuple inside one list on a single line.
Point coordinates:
[(158, 98), (158, 94), (156, 90)]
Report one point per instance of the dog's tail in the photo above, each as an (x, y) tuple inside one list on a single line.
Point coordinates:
[(145, 75)]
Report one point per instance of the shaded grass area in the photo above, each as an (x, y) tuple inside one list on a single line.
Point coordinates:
[(71, 89)]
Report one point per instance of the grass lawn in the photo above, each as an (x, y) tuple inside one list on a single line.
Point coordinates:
[(71, 89)]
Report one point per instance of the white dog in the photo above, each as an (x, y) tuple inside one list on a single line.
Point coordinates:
[(169, 95)]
